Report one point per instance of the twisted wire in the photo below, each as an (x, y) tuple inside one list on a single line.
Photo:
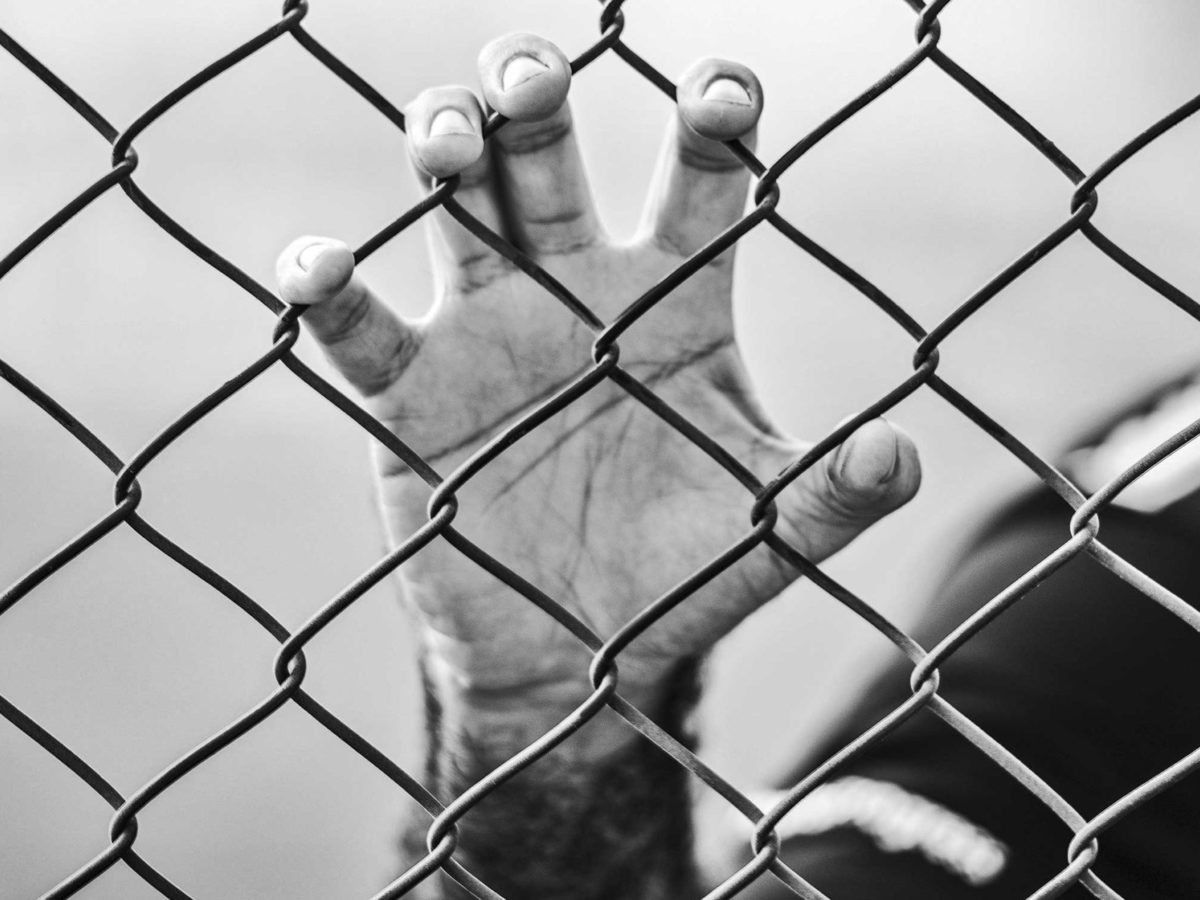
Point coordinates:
[(290, 665)]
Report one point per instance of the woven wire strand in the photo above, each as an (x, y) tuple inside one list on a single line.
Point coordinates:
[(290, 665)]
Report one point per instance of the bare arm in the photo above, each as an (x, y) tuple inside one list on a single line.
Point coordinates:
[(604, 507), (581, 824)]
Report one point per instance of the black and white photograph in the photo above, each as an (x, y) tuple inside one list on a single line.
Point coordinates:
[(599, 450)]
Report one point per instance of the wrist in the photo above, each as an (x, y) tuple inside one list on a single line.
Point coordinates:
[(603, 815), (500, 721)]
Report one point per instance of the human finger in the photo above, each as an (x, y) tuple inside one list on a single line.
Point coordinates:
[(445, 138), (699, 188), (874, 472), (541, 175), (360, 334)]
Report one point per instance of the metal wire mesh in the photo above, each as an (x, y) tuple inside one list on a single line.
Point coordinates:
[(290, 664)]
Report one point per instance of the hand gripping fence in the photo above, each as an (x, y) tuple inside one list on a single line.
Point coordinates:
[(290, 664)]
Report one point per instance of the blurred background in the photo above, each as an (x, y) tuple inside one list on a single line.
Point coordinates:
[(131, 661)]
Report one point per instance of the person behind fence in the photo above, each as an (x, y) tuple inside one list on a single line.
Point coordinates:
[(605, 506)]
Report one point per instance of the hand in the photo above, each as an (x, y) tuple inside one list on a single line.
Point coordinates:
[(604, 507)]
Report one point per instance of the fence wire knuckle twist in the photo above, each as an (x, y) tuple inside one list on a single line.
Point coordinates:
[(290, 664)]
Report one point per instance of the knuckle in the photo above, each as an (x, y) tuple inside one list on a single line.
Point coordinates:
[(478, 271), (706, 155), (396, 358), (476, 176), (520, 139), (558, 239), (342, 322), (835, 502)]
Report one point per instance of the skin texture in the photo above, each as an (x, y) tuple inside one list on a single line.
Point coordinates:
[(604, 507)]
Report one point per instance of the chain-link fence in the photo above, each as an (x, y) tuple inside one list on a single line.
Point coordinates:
[(290, 665)]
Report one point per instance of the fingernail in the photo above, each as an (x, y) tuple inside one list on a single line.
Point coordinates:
[(520, 69), (308, 256), (870, 457), (894, 467), (726, 90), (450, 121)]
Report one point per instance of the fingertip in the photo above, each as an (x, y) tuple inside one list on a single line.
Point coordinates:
[(445, 131), (313, 269), (446, 155), (524, 77), (328, 266), (878, 465), (719, 99)]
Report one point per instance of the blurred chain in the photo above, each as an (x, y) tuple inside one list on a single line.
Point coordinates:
[(290, 665)]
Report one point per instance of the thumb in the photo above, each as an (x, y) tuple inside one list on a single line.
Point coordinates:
[(873, 472)]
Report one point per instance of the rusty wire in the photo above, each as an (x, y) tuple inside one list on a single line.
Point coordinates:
[(290, 664)]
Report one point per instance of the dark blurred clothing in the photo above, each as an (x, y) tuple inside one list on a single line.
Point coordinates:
[(1086, 680)]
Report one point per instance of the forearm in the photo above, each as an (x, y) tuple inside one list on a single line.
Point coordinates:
[(604, 815)]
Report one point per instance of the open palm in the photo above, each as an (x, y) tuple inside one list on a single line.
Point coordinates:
[(605, 505)]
